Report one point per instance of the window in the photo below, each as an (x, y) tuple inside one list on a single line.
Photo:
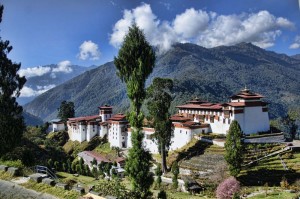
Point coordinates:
[(186, 132), (224, 121), (203, 131), (180, 131), (211, 119), (228, 121)]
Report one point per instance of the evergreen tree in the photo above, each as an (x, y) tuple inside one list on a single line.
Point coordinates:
[(135, 63), (11, 120), (234, 148), (175, 171), (69, 165), (158, 173), (159, 101), (66, 110)]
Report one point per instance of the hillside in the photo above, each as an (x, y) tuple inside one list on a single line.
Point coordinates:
[(50, 79), (31, 120), (213, 74)]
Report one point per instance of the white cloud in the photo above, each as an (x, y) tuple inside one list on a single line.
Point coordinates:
[(260, 28), (89, 51), (207, 29), (34, 71), (296, 43), (29, 92), (191, 22), (63, 66)]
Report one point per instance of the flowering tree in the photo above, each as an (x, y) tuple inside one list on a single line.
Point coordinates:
[(228, 188)]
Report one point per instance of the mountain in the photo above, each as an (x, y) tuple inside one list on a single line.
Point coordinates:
[(213, 74), (31, 120), (54, 75), (297, 56)]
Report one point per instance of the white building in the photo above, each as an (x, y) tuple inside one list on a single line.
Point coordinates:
[(245, 107), (193, 118), (57, 125)]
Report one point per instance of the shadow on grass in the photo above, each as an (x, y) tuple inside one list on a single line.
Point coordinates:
[(195, 150), (272, 177)]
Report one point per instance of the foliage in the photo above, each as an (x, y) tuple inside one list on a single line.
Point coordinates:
[(289, 125), (284, 183), (11, 120), (56, 191), (11, 163), (228, 188), (175, 171), (162, 194), (35, 134), (57, 138), (134, 63), (159, 101), (234, 148), (114, 188), (66, 110), (158, 173)]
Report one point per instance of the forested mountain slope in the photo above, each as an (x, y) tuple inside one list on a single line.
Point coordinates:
[(213, 74)]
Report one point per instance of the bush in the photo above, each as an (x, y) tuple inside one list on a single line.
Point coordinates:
[(228, 188), (284, 183), (10, 163)]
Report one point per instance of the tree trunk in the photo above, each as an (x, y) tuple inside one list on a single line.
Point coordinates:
[(163, 158)]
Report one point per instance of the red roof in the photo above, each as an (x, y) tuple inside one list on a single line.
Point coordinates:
[(246, 94), (178, 117), (101, 158), (105, 107), (97, 156), (194, 125), (85, 118), (118, 117), (206, 106)]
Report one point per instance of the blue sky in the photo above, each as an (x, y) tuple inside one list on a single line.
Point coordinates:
[(89, 32)]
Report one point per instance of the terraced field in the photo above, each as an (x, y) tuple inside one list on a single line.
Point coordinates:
[(271, 170)]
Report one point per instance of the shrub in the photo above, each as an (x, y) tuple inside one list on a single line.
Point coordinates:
[(284, 183), (228, 188)]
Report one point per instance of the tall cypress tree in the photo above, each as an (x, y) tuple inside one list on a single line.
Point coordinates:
[(135, 63), (11, 120), (159, 101), (234, 148), (66, 110)]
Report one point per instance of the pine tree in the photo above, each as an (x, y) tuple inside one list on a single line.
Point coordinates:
[(135, 63), (175, 171), (66, 110), (11, 120), (158, 173), (234, 148), (159, 101)]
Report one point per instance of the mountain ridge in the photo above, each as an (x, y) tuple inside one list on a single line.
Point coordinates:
[(213, 74)]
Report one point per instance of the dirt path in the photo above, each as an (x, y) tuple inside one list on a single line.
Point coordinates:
[(10, 190)]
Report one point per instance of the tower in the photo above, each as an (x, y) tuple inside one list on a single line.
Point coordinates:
[(105, 112)]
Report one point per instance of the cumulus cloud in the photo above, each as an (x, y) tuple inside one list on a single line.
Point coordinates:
[(34, 71), (63, 66), (207, 29), (296, 43), (89, 51), (29, 92), (191, 22)]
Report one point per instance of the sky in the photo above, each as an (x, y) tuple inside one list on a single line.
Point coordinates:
[(90, 32)]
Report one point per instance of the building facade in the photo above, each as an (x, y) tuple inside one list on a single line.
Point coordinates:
[(193, 118)]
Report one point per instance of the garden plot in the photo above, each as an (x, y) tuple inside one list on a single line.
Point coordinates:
[(206, 163)]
